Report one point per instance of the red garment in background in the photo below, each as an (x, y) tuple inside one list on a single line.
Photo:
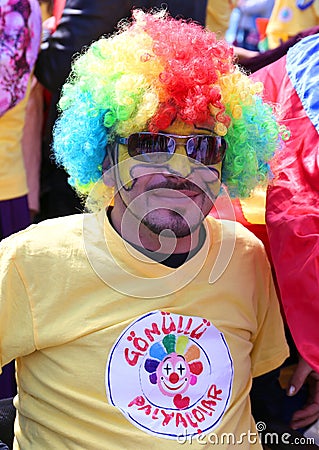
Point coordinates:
[(292, 214)]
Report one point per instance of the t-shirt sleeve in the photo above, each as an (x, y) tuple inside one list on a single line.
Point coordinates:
[(270, 348), (16, 322)]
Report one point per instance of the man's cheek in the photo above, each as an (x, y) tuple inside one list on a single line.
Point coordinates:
[(126, 179)]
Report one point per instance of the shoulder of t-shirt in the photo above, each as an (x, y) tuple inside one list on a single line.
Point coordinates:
[(48, 234), (229, 229)]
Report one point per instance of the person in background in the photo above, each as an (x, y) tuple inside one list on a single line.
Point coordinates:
[(290, 17), (292, 210), (247, 32), (19, 44), (33, 129), (222, 18), (218, 15), (141, 325), (292, 221), (253, 62)]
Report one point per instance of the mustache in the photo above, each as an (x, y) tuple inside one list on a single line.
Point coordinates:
[(178, 185)]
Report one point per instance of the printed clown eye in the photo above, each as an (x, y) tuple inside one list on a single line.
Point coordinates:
[(181, 369), (167, 368)]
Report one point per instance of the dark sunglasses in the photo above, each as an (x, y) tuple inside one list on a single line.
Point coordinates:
[(206, 149)]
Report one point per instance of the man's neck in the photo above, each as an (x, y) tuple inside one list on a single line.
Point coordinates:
[(174, 260)]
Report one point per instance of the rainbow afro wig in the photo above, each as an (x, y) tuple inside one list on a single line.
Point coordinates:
[(153, 71)]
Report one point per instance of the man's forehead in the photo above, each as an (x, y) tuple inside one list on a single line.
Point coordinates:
[(184, 129)]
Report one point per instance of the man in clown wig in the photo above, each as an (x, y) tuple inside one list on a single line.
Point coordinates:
[(141, 324)]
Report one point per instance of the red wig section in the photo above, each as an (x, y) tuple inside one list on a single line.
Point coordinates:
[(193, 61)]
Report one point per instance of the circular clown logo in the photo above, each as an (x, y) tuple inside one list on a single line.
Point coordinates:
[(170, 375)]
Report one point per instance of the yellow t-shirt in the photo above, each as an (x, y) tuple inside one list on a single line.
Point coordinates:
[(287, 19), (218, 15), (117, 351), (13, 181)]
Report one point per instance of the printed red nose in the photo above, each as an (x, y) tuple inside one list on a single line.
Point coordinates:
[(173, 378)]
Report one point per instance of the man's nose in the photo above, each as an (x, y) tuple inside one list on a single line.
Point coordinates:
[(180, 162)]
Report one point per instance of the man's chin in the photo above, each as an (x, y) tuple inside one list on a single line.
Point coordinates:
[(175, 226)]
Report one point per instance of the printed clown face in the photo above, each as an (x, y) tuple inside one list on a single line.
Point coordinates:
[(174, 367), (173, 375)]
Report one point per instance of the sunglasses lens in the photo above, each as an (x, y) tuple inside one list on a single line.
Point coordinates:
[(140, 145), (208, 150)]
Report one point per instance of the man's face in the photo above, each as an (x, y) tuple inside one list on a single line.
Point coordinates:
[(168, 193)]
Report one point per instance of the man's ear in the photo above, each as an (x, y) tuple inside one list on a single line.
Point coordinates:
[(108, 168)]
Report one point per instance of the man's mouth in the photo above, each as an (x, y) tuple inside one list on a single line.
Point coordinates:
[(175, 194), (173, 190)]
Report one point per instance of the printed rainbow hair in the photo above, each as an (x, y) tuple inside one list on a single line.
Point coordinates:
[(154, 70)]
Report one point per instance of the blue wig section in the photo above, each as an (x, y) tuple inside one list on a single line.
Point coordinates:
[(80, 140), (157, 351), (303, 71)]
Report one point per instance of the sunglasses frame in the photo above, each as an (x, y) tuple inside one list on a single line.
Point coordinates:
[(173, 137)]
